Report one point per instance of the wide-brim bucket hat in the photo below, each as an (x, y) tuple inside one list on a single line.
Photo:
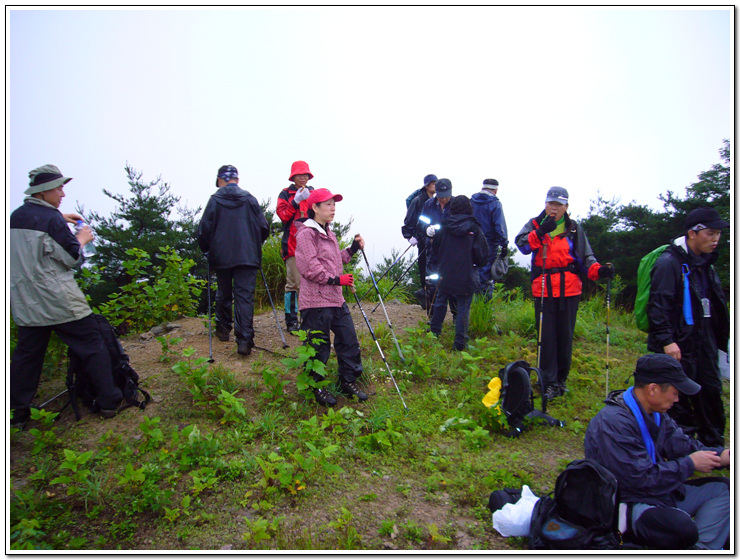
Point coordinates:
[(300, 168), (318, 196), (45, 178)]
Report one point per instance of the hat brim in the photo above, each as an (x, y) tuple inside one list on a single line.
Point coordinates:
[(43, 187), (688, 387), (556, 199), (717, 224), (444, 194)]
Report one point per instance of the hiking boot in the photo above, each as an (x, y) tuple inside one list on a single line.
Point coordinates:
[(351, 388), (324, 397), (421, 298), (552, 392), (222, 333), (244, 347), (293, 328), (108, 413), (562, 389)]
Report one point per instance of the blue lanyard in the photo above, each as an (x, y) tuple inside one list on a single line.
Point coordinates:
[(629, 398)]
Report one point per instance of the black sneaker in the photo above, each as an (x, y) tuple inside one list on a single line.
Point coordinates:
[(293, 328), (222, 333), (108, 413), (324, 397), (244, 347), (552, 392), (562, 389), (350, 389)]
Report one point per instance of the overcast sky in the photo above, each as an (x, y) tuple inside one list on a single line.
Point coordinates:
[(626, 101)]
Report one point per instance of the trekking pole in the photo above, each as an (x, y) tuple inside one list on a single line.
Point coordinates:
[(542, 307), (52, 399), (388, 319), (280, 329), (372, 333), (608, 302), (210, 333), (405, 272), (387, 271)]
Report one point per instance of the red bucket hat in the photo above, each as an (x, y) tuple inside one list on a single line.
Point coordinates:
[(318, 196), (299, 168)]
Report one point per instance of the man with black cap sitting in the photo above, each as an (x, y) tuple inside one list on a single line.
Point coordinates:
[(652, 460), (45, 297), (231, 233), (693, 333)]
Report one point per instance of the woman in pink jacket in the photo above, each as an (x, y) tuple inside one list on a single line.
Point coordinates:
[(320, 263)]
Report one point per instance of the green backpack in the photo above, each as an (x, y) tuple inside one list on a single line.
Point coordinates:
[(643, 290)]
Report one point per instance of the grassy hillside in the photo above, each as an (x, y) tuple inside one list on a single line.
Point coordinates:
[(236, 458)]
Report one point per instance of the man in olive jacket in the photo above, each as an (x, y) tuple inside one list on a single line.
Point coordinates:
[(44, 295), (231, 233)]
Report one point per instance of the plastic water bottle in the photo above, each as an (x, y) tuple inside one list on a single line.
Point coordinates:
[(89, 249)]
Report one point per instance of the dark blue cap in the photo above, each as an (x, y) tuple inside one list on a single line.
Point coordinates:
[(429, 179), (443, 188)]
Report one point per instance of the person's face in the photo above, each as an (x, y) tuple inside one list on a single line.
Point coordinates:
[(325, 211), (660, 400), (54, 196), (431, 187), (300, 180), (555, 210), (705, 240)]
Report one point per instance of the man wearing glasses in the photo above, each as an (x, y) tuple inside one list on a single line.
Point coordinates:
[(693, 334)]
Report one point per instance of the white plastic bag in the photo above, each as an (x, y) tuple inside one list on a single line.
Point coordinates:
[(513, 520)]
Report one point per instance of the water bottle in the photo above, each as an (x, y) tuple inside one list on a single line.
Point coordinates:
[(89, 249)]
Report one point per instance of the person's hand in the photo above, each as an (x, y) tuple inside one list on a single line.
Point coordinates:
[(724, 458), (431, 230), (673, 350), (358, 239), (413, 241), (302, 194), (85, 235), (72, 217), (606, 270), (547, 225), (705, 461), (504, 252), (346, 280)]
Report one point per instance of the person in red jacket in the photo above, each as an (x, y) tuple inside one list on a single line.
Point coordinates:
[(559, 247), (323, 309), (292, 206)]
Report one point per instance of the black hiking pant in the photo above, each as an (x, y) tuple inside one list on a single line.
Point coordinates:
[(339, 321), (84, 339), (558, 325), (237, 285), (703, 414)]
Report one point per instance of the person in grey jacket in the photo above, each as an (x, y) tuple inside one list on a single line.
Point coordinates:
[(45, 298), (653, 460), (231, 233)]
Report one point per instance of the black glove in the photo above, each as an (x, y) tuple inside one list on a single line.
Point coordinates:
[(504, 252), (606, 271), (547, 225), (354, 247)]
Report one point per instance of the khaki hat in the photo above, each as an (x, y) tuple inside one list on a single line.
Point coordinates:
[(45, 178)]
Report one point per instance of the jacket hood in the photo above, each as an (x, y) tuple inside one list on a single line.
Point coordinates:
[(311, 224), (616, 398), (459, 224), (679, 244), (231, 196), (483, 198)]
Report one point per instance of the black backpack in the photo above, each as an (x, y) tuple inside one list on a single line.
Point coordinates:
[(517, 397), (582, 514), (124, 376)]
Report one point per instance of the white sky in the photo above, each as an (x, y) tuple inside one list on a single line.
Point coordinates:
[(627, 101)]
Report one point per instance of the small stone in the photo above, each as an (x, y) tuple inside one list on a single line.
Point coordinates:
[(147, 336), (157, 330), (172, 326), (226, 547)]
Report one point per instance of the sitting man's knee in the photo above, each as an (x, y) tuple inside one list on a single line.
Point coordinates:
[(666, 529)]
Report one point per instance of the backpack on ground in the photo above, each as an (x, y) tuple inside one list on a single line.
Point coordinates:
[(124, 376), (517, 397), (643, 287), (582, 513)]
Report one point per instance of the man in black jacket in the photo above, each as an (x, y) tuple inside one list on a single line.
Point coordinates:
[(458, 248), (653, 462), (231, 233), (410, 223), (693, 334)]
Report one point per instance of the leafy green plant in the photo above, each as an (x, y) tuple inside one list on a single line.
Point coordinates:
[(232, 406), (168, 343), (77, 478), (306, 362), (349, 537), (381, 440), (275, 393), (260, 529), (44, 437)]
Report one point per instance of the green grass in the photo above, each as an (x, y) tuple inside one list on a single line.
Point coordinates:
[(290, 475)]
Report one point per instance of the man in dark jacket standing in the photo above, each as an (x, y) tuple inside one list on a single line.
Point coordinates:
[(652, 460), (694, 333), (490, 215), (231, 233), (457, 248), (410, 222), (430, 219)]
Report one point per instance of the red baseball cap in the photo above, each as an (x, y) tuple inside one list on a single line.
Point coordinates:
[(318, 196)]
